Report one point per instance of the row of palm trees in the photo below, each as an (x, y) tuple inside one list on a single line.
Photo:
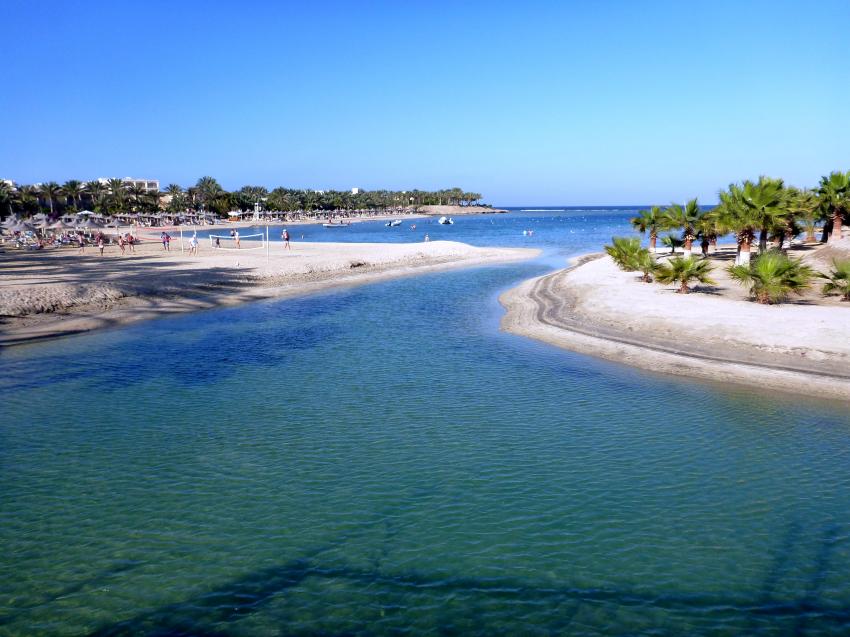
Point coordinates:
[(771, 277), (114, 196), (766, 210)]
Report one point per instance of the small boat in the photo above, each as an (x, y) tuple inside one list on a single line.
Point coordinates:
[(393, 224), (446, 221), (335, 225)]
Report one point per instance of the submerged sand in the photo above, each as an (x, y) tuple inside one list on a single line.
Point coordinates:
[(53, 293), (718, 334)]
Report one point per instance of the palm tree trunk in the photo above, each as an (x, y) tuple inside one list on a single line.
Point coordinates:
[(684, 289), (652, 238), (836, 227), (712, 244), (763, 240), (810, 233), (687, 248), (827, 228), (744, 255)]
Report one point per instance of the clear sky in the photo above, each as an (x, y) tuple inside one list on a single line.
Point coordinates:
[(527, 102)]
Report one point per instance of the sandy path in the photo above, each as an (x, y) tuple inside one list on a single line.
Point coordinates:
[(595, 308), (59, 292)]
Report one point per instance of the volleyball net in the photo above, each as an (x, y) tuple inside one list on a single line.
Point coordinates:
[(240, 242)]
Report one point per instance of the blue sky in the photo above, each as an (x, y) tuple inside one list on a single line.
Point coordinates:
[(528, 103)]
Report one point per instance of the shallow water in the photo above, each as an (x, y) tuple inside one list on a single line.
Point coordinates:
[(383, 460)]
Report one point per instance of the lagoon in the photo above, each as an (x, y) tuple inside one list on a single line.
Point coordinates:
[(383, 460)]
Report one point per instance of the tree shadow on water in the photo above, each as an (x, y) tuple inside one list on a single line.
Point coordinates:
[(557, 605)]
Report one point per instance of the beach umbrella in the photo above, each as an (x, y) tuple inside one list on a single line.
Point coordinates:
[(60, 225), (11, 221), (90, 224), (21, 226), (87, 213)]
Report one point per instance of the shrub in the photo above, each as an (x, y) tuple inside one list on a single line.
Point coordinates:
[(773, 276)]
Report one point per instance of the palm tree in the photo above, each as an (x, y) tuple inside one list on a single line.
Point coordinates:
[(803, 205), (766, 200), (623, 251), (685, 218), (49, 191), (73, 189), (773, 276), (834, 194), (649, 221), (176, 200), (137, 193), (208, 190), (6, 196), (117, 190), (95, 190), (838, 280), (708, 227), (733, 213), (683, 270), (28, 198)]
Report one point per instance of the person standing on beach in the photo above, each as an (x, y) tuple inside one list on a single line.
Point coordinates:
[(121, 243), (82, 241), (162, 237), (286, 239), (193, 245), (427, 238), (236, 236)]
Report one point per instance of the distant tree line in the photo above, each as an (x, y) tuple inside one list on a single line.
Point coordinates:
[(114, 196)]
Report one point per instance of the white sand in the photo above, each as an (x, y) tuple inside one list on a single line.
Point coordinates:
[(53, 293), (597, 309)]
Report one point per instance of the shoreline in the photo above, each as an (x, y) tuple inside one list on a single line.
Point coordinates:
[(145, 286), (573, 309)]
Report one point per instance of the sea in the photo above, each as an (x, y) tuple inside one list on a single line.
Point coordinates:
[(383, 460)]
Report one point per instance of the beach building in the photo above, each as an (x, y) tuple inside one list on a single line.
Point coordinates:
[(149, 185), (355, 191)]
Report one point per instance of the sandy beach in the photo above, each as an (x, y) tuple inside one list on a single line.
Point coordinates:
[(719, 335), (52, 293)]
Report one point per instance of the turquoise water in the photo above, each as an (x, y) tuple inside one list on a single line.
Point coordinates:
[(382, 460)]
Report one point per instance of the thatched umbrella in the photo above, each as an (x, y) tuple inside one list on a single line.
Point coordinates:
[(61, 225), (21, 226), (90, 224)]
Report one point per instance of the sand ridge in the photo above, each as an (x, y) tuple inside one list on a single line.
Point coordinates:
[(594, 308)]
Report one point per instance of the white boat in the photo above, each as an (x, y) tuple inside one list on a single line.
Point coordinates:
[(336, 225), (393, 224), (446, 221)]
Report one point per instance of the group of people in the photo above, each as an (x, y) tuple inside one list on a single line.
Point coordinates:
[(124, 241)]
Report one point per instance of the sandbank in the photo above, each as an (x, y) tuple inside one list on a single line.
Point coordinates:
[(595, 308), (52, 293)]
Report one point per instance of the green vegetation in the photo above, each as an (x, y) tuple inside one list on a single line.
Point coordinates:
[(834, 194), (838, 279), (113, 196), (683, 270), (628, 254), (650, 221), (773, 276)]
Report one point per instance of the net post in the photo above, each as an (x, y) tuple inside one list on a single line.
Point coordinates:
[(181, 240), (267, 243)]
